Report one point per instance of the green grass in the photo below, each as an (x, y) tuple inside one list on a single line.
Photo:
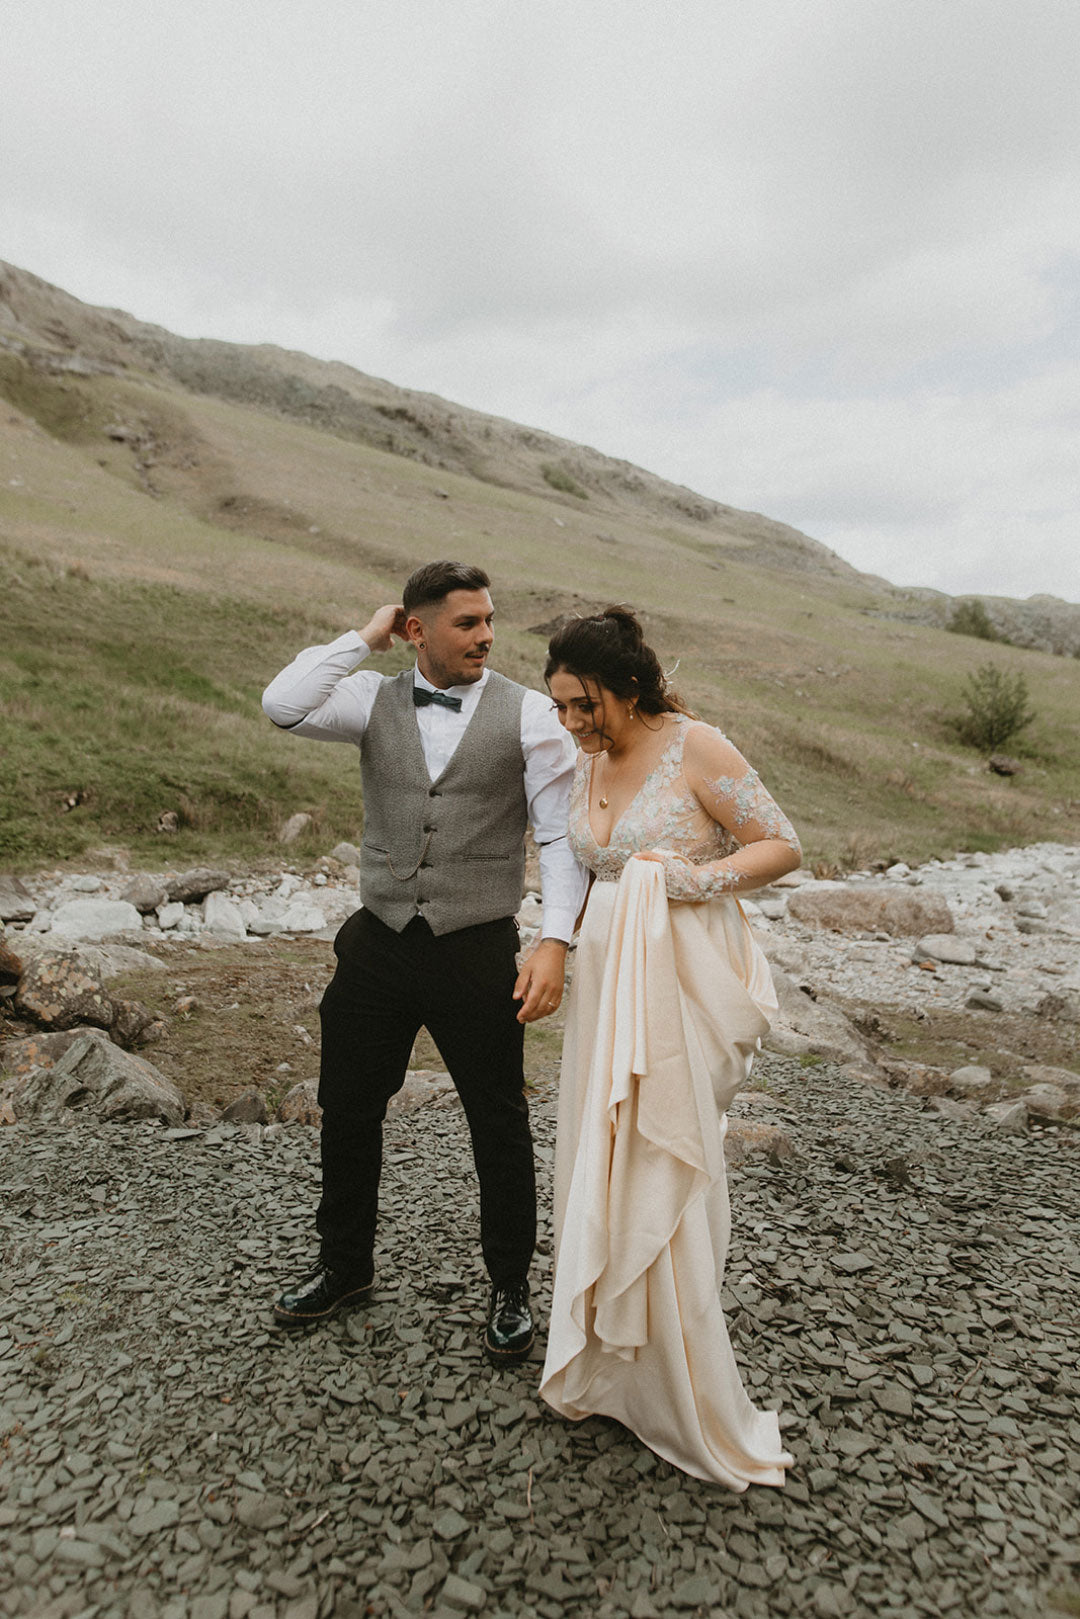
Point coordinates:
[(558, 478), (136, 698), (138, 628)]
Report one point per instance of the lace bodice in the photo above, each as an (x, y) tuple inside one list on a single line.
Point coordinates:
[(697, 831)]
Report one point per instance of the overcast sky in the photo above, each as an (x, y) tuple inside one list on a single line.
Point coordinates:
[(818, 258)]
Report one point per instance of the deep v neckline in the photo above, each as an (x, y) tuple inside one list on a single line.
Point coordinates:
[(620, 818)]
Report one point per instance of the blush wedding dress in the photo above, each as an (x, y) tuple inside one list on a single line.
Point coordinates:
[(670, 998)]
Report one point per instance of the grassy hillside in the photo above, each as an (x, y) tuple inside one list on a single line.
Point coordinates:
[(163, 553)]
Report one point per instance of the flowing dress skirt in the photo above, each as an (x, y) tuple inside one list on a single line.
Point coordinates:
[(668, 1004)]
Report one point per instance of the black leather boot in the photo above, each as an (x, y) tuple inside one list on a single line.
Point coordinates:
[(321, 1295), (510, 1329)]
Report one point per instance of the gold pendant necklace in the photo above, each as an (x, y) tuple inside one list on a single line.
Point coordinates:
[(602, 800)]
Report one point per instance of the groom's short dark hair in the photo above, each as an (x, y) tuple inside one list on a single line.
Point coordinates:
[(435, 580)]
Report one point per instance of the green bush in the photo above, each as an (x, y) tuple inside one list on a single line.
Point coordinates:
[(997, 705), (971, 618), (562, 480)]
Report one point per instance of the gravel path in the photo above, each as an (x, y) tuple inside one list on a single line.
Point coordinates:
[(906, 1289)]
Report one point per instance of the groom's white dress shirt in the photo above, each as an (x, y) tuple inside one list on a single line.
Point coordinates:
[(322, 694)]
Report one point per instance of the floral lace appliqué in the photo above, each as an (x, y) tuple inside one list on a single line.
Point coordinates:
[(750, 801), (668, 817)]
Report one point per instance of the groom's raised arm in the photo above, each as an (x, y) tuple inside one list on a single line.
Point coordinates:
[(322, 694)]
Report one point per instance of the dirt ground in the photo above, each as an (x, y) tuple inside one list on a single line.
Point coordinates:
[(234, 1016)]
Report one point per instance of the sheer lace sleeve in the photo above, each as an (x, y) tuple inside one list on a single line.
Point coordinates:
[(733, 795)]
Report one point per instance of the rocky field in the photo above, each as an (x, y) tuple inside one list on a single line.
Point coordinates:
[(904, 1281)]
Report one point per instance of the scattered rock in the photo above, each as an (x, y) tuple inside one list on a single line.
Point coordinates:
[(755, 1138), (422, 1085), (825, 1027), (195, 1466), (21, 1058), (1042, 1074), (294, 827), (95, 918), (16, 902), (973, 1080), (1063, 1007), (981, 1000), (347, 853), (300, 1105), (264, 925), (870, 908), (58, 991), (11, 965), (951, 1109), (95, 1075), (785, 1042), (301, 917), (1009, 1116), (134, 1024), (170, 914), (946, 947), (247, 1109), (463, 1595), (221, 916), (1048, 1101), (192, 886), (1002, 764), (106, 960), (145, 893)]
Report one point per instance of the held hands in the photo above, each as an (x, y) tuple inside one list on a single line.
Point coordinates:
[(539, 985), (385, 623)]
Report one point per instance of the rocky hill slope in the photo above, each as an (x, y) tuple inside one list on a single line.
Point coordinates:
[(178, 517), (54, 332)]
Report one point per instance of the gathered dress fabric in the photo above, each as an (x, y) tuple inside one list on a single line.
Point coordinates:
[(670, 1000)]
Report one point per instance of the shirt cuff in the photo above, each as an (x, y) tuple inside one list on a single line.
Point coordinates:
[(557, 923)]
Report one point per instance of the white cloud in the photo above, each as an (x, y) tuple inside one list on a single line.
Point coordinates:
[(820, 260)]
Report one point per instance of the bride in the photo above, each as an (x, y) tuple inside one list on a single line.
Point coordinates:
[(670, 1000)]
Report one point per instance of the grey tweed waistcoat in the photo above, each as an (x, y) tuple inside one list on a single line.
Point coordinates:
[(453, 849)]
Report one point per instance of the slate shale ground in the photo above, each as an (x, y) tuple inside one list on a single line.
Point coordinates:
[(907, 1290)]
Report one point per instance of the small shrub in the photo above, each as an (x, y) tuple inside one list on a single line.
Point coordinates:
[(560, 479), (997, 706), (971, 618)]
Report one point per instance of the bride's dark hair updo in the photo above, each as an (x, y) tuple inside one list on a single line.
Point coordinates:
[(610, 647)]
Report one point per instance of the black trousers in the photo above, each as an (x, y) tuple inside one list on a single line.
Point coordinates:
[(459, 987)]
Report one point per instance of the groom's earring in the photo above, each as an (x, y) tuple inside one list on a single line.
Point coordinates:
[(420, 643)]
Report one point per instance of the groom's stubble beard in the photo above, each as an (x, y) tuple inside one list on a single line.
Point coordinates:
[(453, 657)]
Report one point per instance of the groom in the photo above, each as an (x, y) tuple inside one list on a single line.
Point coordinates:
[(456, 760)]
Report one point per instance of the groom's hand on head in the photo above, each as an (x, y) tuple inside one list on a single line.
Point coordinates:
[(384, 624), (539, 985)]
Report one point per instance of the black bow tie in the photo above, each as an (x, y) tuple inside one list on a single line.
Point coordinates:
[(422, 697)]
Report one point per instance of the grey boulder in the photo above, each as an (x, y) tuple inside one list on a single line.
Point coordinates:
[(194, 885), (16, 901), (58, 990), (824, 1028), (145, 893), (95, 918), (221, 916), (96, 1076), (871, 908)]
